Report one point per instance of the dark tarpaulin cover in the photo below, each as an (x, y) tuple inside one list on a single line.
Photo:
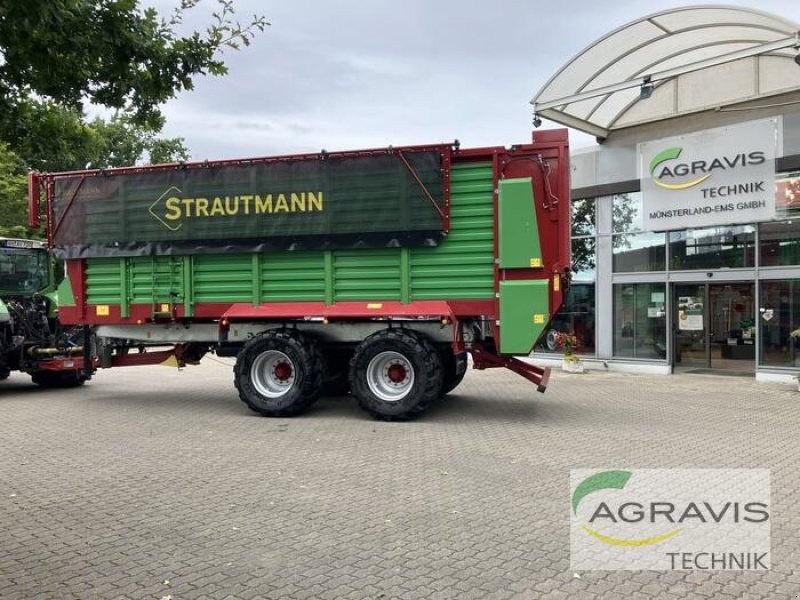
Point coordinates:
[(296, 204)]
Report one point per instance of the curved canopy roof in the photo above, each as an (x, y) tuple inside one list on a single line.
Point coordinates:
[(689, 59)]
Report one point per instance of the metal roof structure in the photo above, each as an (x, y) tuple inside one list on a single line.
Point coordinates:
[(674, 63)]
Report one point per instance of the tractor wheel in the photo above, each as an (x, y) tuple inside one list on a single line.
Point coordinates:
[(58, 379), (396, 374), (454, 367), (551, 340), (279, 373)]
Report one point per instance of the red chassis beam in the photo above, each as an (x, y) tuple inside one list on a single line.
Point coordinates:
[(183, 353), (485, 359), (341, 310)]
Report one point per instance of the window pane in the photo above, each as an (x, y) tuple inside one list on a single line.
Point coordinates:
[(584, 259), (712, 248), (780, 243), (627, 212), (640, 321), (779, 315), (634, 252), (583, 222), (787, 194), (576, 317)]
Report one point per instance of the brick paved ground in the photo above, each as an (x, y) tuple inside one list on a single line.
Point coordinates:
[(153, 483)]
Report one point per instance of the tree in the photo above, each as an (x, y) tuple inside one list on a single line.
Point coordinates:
[(13, 187), (51, 137), (58, 55), (111, 53)]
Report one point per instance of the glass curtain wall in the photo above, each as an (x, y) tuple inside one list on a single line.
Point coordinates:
[(640, 309), (640, 320), (779, 241), (727, 246), (634, 250), (779, 317), (577, 316)]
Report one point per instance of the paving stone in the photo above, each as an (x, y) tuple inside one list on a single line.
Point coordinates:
[(148, 474)]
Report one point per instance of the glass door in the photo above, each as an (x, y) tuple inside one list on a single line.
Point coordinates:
[(691, 333), (732, 334), (714, 326)]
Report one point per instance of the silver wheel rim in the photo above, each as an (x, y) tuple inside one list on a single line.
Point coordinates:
[(390, 376), (273, 374), (551, 341)]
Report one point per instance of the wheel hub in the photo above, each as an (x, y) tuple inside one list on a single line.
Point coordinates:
[(390, 376), (283, 371), (396, 373), (273, 374)]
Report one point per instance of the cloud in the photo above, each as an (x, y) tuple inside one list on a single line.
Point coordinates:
[(350, 74)]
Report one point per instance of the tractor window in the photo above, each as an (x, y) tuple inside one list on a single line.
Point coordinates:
[(23, 271)]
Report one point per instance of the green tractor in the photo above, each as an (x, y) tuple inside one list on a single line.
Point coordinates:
[(31, 339)]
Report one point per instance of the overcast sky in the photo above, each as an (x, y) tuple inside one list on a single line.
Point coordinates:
[(350, 74)]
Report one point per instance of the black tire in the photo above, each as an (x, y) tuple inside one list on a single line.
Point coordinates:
[(336, 381), (551, 340), (260, 385), (58, 379), (5, 373), (413, 354), (454, 367)]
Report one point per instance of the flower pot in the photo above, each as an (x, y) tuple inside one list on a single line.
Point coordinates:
[(572, 365)]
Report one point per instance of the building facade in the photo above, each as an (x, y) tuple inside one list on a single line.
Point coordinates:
[(717, 290)]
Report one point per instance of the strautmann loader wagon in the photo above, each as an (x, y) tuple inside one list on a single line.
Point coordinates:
[(372, 271)]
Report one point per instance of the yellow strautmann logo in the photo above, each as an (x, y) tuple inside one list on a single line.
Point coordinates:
[(603, 481), (172, 208)]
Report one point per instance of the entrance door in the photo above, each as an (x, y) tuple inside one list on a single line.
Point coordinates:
[(715, 326)]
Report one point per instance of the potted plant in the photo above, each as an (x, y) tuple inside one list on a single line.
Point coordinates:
[(570, 362)]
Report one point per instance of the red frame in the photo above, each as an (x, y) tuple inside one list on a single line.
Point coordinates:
[(551, 192)]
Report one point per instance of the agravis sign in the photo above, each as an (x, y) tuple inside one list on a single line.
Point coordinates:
[(720, 176)]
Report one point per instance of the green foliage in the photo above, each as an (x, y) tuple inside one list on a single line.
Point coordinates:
[(58, 55), (111, 53), (13, 196), (50, 137), (121, 141)]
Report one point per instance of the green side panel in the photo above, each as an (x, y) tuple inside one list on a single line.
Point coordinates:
[(155, 280), (517, 227), (124, 296), (102, 280), (462, 266), (65, 295), (328, 277), (188, 285), (524, 312), (223, 278), (293, 276), (367, 274)]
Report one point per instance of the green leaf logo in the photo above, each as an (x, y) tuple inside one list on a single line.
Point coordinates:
[(599, 481)]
